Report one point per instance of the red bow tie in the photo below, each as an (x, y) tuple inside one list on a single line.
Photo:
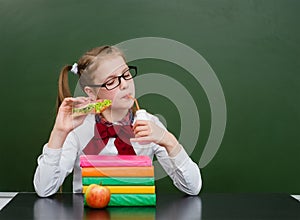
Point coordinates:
[(122, 133)]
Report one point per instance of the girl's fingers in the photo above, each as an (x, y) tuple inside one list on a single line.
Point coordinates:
[(71, 102), (77, 99), (142, 133), (66, 101), (140, 123), (80, 100), (140, 128)]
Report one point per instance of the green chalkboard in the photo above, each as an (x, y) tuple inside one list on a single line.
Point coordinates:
[(252, 47)]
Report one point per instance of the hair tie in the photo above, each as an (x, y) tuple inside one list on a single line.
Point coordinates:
[(75, 68)]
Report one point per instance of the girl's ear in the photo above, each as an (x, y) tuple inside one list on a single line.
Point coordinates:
[(91, 93)]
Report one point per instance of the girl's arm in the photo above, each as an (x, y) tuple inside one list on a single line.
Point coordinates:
[(170, 154), (56, 163), (182, 170)]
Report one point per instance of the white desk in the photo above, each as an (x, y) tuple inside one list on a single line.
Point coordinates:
[(5, 197), (296, 197)]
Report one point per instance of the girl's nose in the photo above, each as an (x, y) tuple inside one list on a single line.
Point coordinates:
[(123, 83)]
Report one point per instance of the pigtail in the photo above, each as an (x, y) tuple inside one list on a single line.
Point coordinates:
[(63, 86)]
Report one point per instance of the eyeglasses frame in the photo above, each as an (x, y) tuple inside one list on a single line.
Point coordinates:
[(118, 77)]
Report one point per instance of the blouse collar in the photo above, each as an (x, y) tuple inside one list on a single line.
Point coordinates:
[(127, 120)]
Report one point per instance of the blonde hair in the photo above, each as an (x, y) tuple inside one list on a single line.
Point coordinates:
[(87, 65)]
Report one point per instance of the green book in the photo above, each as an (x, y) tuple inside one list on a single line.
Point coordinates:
[(119, 181), (131, 200)]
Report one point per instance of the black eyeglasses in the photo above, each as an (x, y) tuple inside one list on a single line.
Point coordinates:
[(114, 82)]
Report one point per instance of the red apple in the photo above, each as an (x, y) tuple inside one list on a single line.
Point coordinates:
[(97, 196)]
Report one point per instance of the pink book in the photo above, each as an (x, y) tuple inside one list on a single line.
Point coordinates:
[(114, 161)]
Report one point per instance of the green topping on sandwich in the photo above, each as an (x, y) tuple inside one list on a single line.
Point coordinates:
[(98, 106)]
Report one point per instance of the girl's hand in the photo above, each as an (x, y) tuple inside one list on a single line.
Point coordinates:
[(146, 131), (66, 121)]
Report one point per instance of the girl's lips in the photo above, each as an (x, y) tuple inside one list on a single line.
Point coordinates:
[(127, 96)]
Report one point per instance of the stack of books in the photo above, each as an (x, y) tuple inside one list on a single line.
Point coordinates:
[(130, 178)]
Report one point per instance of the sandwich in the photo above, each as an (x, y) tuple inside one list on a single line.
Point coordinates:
[(92, 107)]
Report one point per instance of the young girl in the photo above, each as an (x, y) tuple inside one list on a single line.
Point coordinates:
[(104, 74)]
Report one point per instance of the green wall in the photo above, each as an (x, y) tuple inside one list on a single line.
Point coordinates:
[(253, 46)]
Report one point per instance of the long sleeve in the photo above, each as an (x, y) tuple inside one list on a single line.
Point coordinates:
[(183, 171), (54, 165)]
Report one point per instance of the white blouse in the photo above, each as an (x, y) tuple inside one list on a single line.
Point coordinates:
[(54, 165)]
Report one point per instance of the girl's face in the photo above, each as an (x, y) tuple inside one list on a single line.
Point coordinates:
[(110, 68)]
